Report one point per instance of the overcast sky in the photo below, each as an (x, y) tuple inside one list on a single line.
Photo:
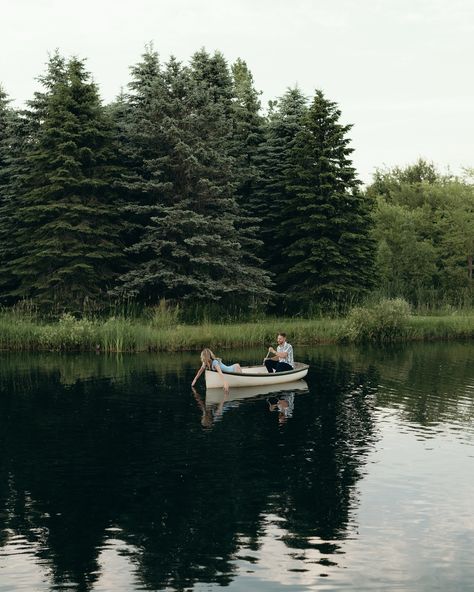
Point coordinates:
[(401, 70)]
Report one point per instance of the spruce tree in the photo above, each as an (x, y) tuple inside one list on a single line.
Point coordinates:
[(277, 178), (5, 129), (330, 252), (190, 248), (66, 237), (5, 118), (14, 142), (248, 136)]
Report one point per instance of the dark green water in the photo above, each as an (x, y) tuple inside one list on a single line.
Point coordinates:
[(115, 476)]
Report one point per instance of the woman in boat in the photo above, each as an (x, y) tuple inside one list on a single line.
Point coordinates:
[(211, 362)]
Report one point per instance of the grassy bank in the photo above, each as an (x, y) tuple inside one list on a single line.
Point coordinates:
[(124, 335), (134, 335)]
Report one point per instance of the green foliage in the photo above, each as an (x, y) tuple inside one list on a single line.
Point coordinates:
[(423, 228), (63, 233), (454, 227), (69, 334), (245, 144), (402, 185), (384, 321), (119, 334), (12, 149), (328, 221), (277, 175), (192, 246), (6, 115), (404, 258), (183, 196)]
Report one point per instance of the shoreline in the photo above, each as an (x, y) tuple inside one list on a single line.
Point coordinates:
[(122, 335)]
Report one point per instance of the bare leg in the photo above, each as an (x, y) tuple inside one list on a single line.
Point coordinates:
[(237, 368)]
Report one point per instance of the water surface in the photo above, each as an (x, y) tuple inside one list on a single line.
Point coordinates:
[(115, 475)]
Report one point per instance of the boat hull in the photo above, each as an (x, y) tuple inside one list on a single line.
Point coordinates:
[(255, 376)]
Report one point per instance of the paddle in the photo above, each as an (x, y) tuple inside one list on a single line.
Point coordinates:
[(267, 357)]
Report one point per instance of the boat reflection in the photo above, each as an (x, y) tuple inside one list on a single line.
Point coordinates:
[(218, 402), (215, 395)]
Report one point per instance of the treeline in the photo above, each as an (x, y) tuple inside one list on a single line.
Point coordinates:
[(184, 189), (181, 189)]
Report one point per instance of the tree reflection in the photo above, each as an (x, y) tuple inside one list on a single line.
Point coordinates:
[(128, 450)]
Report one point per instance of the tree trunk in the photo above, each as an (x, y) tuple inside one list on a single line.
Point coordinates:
[(469, 267)]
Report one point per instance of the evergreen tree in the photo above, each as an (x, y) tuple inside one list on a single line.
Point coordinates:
[(5, 116), (190, 247), (247, 139), (5, 129), (277, 178), (137, 117), (328, 221), (248, 133), (14, 141), (66, 237)]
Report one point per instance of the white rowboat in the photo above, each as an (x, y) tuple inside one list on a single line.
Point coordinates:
[(255, 376)]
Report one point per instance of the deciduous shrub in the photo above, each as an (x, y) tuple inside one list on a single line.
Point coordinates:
[(384, 321)]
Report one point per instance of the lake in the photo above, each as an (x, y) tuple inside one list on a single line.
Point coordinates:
[(116, 476)]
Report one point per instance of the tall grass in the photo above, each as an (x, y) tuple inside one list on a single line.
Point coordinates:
[(119, 334), (160, 329), (391, 320)]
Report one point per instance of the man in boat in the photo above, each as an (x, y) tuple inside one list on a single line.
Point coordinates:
[(282, 358)]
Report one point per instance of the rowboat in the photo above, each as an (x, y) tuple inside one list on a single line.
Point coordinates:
[(255, 376), (217, 395)]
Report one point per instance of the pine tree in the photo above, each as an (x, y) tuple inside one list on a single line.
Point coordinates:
[(66, 238), (331, 253)]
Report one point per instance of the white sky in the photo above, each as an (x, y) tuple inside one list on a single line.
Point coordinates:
[(401, 70)]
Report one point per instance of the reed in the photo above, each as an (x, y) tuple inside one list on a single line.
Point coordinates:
[(155, 331)]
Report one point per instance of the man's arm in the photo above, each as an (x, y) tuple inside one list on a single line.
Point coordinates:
[(279, 355)]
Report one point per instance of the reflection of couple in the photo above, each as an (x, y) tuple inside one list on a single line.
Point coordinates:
[(284, 403)]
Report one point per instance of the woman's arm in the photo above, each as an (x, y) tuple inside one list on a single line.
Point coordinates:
[(226, 384), (198, 374)]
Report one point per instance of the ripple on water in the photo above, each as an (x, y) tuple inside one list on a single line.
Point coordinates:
[(128, 482)]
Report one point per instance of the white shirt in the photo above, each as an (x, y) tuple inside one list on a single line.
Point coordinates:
[(286, 347)]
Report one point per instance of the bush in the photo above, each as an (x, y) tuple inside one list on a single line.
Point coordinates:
[(68, 333), (384, 321)]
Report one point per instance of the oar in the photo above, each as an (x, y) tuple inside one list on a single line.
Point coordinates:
[(266, 357)]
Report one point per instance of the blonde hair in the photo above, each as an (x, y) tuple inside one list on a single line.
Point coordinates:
[(207, 357)]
